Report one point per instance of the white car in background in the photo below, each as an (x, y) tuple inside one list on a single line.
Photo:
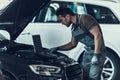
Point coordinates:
[(54, 34)]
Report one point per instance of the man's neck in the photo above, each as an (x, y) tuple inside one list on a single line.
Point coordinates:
[(73, 19)]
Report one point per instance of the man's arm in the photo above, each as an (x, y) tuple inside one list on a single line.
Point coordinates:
[(69, 46), (97, 38)]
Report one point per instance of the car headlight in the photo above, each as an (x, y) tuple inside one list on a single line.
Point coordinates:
[(44, 69)]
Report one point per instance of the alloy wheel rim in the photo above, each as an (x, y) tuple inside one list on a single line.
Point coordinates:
[(108, 70)]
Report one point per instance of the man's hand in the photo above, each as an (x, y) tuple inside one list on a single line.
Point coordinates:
[(94, 59)]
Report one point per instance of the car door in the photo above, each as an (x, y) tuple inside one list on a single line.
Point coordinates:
[(109, 23)]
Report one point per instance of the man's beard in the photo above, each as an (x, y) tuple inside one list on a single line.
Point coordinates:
[(68, 24)]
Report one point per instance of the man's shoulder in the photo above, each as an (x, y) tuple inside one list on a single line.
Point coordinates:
[(86, 15)]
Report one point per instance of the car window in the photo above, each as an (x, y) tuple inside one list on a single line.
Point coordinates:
[(50, 10), (102, 14)]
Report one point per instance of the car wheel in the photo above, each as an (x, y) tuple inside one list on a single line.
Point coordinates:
[(111, 67), (8, 76)]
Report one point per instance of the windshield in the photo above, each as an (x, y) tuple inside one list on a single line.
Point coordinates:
[(4, 3)]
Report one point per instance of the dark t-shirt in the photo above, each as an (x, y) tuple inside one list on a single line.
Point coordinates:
[(88, 22), (84, 23)]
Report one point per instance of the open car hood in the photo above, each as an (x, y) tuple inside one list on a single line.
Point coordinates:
[(15, 17)]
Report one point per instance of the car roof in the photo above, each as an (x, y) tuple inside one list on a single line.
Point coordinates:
[(95, 2), (110, 4)]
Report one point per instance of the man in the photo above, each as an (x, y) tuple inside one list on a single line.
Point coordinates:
[(86, 30)]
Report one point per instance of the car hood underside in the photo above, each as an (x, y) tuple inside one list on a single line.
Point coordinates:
[(15, 17)]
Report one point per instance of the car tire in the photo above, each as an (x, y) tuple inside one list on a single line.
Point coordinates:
[(111, 67), (8, 76)]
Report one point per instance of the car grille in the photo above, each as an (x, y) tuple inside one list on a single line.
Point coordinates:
[(74, 72)]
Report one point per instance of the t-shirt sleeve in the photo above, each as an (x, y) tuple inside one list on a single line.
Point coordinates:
[(89, 22)]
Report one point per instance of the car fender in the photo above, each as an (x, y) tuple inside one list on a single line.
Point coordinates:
[(113, 48)]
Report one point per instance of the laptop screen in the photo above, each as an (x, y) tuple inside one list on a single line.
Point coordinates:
[(37, 43)]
